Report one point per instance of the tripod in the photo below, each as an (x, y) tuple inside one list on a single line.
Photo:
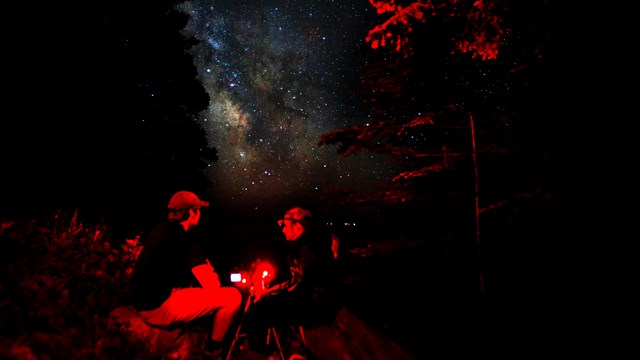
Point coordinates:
[(238, 333)]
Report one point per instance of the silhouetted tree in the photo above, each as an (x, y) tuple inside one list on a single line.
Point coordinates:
[(110, 96), (458, 102), (447, 63)]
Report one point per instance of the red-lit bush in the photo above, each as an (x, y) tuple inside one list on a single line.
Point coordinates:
[(60, 280)]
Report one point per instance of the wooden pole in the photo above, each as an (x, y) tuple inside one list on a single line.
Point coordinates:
[(477, 201)]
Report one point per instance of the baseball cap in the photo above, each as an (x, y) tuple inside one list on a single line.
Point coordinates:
[(184, 200)]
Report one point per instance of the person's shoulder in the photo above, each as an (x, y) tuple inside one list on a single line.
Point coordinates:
[(317, 239), (320, 232), (163, 229), (164, 226)]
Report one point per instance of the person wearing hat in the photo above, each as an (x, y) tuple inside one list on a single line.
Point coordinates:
[(173, 280)]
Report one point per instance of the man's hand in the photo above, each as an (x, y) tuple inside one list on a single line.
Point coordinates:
[(263, 293)]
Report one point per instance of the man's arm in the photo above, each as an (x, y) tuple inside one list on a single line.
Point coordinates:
[(206, 275)]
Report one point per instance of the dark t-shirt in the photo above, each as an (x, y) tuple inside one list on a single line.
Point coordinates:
[(165, 262), (306, 297), (311, 263), (309, 296)]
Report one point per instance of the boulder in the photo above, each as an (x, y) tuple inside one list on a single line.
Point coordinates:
[(181, 342), (349, 337)]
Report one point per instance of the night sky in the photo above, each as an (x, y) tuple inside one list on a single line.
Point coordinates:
[(104, 95), (111, 106), (279, 74)]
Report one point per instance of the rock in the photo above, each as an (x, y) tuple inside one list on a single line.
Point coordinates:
[(348, 337), (167, 343)]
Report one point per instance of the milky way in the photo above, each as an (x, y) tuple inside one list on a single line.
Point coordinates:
[(280, 74)]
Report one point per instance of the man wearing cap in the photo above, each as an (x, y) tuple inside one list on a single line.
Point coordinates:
[(174, 282)]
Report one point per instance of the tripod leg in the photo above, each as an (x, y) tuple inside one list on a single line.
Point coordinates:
[(275, 336), (237, 334)]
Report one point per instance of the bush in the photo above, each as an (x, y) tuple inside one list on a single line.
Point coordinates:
[(60, 280)]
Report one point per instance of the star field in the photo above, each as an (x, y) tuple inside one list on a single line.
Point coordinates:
[(279, 74)]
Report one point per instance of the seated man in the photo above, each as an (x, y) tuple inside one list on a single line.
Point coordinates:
[(306, 298), (174, 282)]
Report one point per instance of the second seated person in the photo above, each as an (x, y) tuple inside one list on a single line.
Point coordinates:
[(307, 298)]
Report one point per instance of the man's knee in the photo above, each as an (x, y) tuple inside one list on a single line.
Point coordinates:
[(232, 296), (235, 297)]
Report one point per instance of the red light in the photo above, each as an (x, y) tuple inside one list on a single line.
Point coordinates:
[(262, 275)]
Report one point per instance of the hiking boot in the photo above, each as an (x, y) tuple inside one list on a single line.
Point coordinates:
[(215, 349)]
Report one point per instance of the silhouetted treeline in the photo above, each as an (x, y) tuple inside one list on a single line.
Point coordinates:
[(102, 102)]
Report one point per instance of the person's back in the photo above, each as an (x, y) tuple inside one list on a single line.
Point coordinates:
[(173, 280), (161, 267)]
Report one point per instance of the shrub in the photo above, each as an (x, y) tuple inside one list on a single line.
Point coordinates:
[(60, 280)]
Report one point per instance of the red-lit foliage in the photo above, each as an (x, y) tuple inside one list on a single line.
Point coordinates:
[(421, 94), (420, 146), (60, 279), (484, 32), (481, 36)]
